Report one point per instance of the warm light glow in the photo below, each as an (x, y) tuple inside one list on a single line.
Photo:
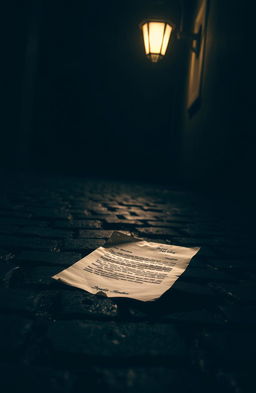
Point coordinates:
[(145, 35), (167, 35), (156, 32), (156, 37)]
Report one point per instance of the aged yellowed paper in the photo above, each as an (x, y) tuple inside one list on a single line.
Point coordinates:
[(129, 267)]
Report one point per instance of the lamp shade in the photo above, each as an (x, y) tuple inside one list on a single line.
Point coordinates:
[(156, 36)]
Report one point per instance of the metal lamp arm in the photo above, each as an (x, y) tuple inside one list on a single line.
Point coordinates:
[(195, 38)]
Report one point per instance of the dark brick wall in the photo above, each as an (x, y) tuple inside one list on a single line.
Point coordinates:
[(217, 141)]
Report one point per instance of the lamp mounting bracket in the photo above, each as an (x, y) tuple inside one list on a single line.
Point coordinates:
[(195, 38)]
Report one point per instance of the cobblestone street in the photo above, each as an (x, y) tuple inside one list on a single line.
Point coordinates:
[(198, 337)]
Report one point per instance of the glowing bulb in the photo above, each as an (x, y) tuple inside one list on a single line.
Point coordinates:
[(156, 35)]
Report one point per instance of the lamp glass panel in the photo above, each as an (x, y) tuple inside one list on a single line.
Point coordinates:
[(167, 35), (156, 32), (145, 36)]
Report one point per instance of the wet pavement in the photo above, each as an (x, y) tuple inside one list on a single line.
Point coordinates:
[(198, 337)]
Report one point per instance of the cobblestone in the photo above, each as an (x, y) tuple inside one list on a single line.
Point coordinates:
[(92, 234), (157, 232), (117, 340), (28, 243), (47, 258), (18, 300), (78, 224), (198, 337), (78, 303), (14, 331), (82, 244), (45, 232), (36, 277)]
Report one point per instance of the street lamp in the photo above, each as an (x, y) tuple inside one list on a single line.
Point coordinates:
[(156, 36), (157, 32)]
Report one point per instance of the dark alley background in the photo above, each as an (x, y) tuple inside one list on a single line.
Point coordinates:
[(81, 97), (87, 99), (94, 139)]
